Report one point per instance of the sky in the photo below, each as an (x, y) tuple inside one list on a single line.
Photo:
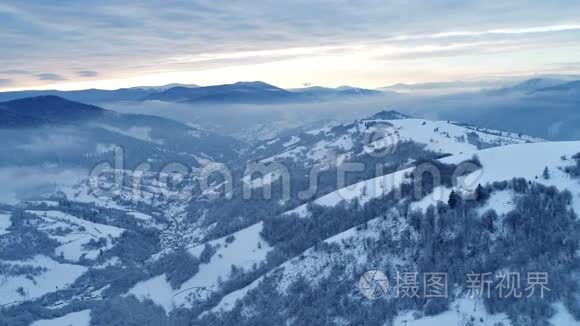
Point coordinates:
[(112, 44)]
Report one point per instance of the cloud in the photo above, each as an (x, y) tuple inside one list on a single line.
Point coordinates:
[(50, 77), (87, 73), (15, 72), (52, 143), (4, 82), (24, 183), (500, 31), (40, 36), (567, 66)]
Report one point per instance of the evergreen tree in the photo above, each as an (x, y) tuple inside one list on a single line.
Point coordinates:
[(480, 193), (452, 201), (546, 173)]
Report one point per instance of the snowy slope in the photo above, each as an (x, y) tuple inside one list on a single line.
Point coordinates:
[(363, 191), (156, 289), (82, 231), (462, 312), (520, 161), (314, 264), (448, 137), (499, 164), (5, 223), (465, 311), (243, 250), (81, 318), (354, 139), (54, 276)]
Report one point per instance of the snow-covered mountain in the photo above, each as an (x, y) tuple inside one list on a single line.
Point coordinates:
[(513, 176), (387, 128), (380, 144), (191, 254)]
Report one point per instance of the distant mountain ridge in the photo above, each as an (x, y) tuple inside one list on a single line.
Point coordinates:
[(257, 92), (47, 109), (496, 86), (444, 87), (570, 86), (529, 86), (338, 91), (240, 92), (94, 95)]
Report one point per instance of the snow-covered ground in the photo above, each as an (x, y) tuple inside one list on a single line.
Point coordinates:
[(438, 136), (518, 161), (156, 289), (82, 231), (470, 312), (5, 223), (518, 157), (462, 312), (446, 137), (56, 276), (313, 264), (80, 318), (563, 317), (242, 249), (501, 201), (145, 219), (228, 302), (499, 164), (363, 191), (292, 141)]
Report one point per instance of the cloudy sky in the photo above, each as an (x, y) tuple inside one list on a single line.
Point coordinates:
[(107, 44)]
